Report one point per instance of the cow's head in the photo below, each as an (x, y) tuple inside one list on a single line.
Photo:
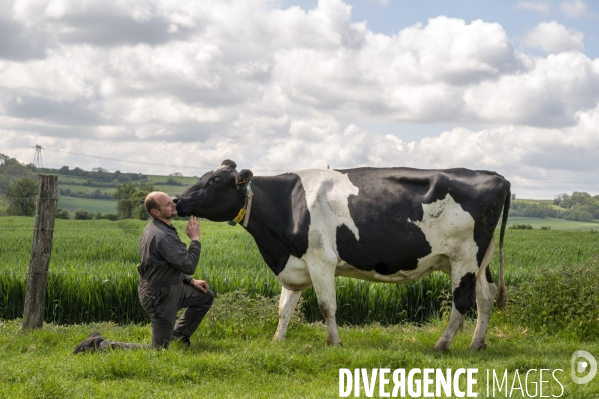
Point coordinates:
[(218, 195)]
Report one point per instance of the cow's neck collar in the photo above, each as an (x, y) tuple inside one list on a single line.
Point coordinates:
[(244, 213)]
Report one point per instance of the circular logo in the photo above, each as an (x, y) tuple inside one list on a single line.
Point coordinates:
[(579, 366)]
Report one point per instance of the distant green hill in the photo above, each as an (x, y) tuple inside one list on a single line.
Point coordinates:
[(93, 205), (88, 190)]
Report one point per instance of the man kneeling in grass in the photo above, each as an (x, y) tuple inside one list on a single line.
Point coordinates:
[(165, 282)]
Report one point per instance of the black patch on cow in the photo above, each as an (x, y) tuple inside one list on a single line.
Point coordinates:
[(390, 200), (465, 294), (482, 194), (279, 219)]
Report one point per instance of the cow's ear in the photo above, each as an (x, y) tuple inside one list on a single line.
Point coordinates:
[(245, 176)]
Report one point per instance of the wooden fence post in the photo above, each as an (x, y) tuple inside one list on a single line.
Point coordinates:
[(47, 200)]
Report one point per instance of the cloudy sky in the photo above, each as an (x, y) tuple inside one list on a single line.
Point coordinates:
[(163, 86)]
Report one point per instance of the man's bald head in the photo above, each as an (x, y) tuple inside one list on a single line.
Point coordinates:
[(156, 200)]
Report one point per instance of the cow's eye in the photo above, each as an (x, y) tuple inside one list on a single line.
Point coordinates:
[(216, 180)]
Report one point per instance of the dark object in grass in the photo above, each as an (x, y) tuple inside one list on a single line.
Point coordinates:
[(91, 343), (520, 227)]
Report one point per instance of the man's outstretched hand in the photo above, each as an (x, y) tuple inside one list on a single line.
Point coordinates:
[(193, 228)]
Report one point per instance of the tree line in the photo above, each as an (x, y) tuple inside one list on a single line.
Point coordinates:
[(98, 174), (580, 206)]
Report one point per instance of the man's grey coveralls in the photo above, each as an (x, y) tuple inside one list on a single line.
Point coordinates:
[(164, 276)]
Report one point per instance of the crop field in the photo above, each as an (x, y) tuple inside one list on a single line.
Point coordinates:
[(93, 275)]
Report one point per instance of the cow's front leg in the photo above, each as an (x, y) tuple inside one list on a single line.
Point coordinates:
[(287, 305), (323, 280)]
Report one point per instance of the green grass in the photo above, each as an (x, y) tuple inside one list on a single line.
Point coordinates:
[(71, 204), (555, 224), (39, 364)]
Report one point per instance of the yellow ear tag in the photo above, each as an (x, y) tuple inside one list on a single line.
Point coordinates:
[(239, 216)]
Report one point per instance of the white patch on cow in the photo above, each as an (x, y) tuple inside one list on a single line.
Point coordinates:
[(449, 231), (327, 197), (295, 275)]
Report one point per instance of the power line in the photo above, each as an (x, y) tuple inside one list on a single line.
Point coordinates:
[(122, 160), (206, 168)]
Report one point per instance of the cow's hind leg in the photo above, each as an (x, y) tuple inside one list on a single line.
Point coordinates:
[(463, 284), (485, 296), (323, 280), (287, 305)]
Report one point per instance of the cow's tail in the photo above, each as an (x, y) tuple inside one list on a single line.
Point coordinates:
[(501, 290)]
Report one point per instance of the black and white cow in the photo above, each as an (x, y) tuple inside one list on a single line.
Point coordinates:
[(389, 225)]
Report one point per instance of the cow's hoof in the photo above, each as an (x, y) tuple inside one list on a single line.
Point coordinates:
[(334, 344), (478, 347), (441, 349)]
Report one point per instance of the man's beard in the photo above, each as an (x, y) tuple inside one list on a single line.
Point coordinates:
[(170, 215)]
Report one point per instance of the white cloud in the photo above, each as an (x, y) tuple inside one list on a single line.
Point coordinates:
[(574, 8), (553, 37), (282, 89), (541, 6)]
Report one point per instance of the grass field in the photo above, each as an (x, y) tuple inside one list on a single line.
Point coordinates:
[(224, 364), (71, 204), (231, 355), (87, 189), (554, 224)]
